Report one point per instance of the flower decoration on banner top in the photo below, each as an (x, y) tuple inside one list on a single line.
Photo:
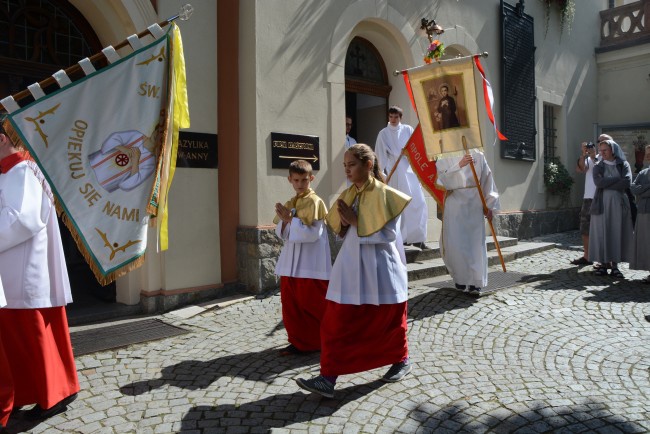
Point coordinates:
[(435, 51)]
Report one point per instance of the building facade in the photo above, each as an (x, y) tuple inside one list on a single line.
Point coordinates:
[(258, 69)]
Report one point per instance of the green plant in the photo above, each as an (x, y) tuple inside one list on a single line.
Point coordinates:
[(557, 179), (567, 12)]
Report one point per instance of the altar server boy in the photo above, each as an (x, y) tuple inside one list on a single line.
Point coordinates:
[(305, 263)]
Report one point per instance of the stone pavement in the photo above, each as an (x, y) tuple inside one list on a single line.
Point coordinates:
[(566, 351)]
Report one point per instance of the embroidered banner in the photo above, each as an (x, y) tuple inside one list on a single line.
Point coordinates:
[(107, 145), (445, 96)]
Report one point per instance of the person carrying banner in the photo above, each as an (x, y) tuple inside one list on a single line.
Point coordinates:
[(364, 326), (34, 328), (305, 263), (462, 239), (390, 143)]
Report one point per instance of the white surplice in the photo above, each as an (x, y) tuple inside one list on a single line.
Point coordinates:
[(390, 142), (32, 264), (463, 224), (370, 270), (306, 251)]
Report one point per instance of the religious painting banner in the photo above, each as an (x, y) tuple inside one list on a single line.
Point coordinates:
[(445, 95), (107, 145)]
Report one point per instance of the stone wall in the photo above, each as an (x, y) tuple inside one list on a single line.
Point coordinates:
[(530, 224), (258, 249)]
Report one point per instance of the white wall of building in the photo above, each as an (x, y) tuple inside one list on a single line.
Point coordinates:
[(295, 83)]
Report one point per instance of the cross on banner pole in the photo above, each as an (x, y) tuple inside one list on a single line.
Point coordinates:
[(485, 208)]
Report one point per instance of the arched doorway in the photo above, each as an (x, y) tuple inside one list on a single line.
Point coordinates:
[(366, 90), (38, 38)]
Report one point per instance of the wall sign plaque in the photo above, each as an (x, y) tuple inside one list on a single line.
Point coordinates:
[(197, 150), (286, 148)]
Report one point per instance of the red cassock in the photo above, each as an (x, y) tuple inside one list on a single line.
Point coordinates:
[(6, 386), (303, 306), (39, 356), (357, 338)]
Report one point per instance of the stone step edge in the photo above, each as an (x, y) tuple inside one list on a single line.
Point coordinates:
[(435, 267)]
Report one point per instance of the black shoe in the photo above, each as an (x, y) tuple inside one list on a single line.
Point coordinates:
[(320, 385), (397, 372), (38, 413), (421, 245), (474, 290), (461, 287)]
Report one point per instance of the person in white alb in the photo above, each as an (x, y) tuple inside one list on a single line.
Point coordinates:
[(463, 229), (390, 142), (349, 140), (33, 325)]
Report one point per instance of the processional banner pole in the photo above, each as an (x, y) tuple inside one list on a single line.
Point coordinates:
[(184, 14)]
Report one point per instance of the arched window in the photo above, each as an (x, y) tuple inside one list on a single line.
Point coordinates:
[(365, 71), (39, 37), (366, 90)]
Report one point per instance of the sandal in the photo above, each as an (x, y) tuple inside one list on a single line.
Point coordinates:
[(616, 273)]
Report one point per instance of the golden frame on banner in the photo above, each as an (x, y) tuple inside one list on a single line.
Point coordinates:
[(445, 95)]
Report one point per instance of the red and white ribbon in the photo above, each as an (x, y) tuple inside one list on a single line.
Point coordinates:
[(488, 97)]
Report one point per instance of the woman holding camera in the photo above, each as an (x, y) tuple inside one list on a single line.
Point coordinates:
[(610, 236)]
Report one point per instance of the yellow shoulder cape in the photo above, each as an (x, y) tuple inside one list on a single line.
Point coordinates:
[(378, 204), (309, 207)]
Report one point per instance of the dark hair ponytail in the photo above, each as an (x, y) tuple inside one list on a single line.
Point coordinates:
[(365, 153)]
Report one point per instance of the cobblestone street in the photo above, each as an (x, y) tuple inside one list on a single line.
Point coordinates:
[(563, 351)]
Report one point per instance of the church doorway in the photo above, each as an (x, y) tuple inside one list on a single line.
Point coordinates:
[(366, 90), (38, 38)]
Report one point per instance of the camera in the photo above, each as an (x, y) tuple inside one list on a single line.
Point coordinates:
[(590, 145)]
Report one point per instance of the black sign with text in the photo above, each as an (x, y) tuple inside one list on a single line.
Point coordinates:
[(286, 148), (197, 150)]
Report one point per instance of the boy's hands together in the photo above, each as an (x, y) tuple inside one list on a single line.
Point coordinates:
[(283, 212)]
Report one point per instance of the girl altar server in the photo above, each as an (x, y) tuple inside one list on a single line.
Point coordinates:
[(364, 325)]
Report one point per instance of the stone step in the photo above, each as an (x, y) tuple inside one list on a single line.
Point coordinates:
[(424, 269), (414, 254)]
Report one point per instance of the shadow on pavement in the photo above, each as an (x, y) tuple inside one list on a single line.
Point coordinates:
[(538, 417), (608, 288), (275, 411), (194, 374), (437, 302)]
